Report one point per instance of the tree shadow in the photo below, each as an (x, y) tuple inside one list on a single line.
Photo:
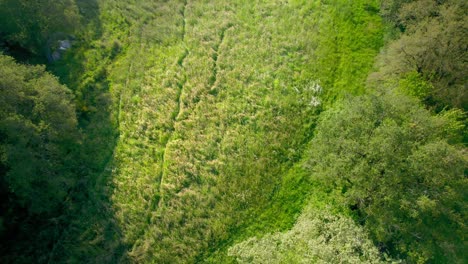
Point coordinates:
[(83, 230), (91, 234)]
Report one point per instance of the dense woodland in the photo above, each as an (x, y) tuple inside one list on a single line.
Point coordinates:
[(228, 131)]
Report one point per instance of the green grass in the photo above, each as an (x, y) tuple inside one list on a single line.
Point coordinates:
[(211, 101)]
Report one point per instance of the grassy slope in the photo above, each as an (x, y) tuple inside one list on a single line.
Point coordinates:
[(214, 111), (205, 123), (347, 37), (212, 100)]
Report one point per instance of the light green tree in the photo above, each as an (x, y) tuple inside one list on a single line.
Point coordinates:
[(317, 237)]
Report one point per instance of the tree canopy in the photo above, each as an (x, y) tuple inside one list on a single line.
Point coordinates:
[(38, 134), (432, 46), (391, 160), (32, 24), (317, 237)]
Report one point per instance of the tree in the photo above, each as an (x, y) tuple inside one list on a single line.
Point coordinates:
[(391, 160), (32, 23), (433, 46), (317, 237), (38, 129)]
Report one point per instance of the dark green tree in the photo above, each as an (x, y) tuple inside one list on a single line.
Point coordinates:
[(391, 160), (32, 23), (433, 46), (38, 134)]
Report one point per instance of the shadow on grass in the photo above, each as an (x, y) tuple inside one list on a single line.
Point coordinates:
[(91, 234)]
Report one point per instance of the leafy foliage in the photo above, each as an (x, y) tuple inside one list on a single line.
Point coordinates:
[(38, 128), (433, 45), (39, 143), (317, 237), (32, 23), (392, 164)]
